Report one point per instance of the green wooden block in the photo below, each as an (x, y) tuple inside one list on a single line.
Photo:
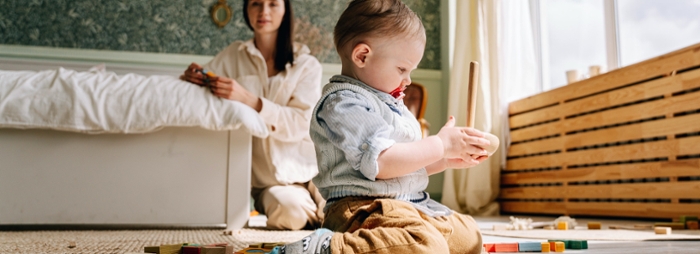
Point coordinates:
[(686, 218), (578, 245), (151, 249)]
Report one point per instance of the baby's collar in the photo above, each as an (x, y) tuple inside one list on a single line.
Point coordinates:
[(382, 95)]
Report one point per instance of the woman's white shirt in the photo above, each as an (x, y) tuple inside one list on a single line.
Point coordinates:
[(287, 155)]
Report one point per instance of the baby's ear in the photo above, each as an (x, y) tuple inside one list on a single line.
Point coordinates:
[(360, 53)]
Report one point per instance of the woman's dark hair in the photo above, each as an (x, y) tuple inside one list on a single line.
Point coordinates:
[(285, 35)]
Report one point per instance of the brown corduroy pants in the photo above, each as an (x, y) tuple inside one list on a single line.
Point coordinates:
[(392, 226)]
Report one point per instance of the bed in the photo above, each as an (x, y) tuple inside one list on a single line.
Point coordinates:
[(185, 169)]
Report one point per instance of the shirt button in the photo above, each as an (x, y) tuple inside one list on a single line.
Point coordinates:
[(272, 127), (364, 146)]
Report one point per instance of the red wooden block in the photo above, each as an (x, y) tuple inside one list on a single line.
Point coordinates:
[(507, 247), (693, 224), (490, 247)]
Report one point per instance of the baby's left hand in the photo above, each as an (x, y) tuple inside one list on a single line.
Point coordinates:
[(461, 163)]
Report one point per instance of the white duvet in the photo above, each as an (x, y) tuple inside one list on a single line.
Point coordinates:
[(98, 101)]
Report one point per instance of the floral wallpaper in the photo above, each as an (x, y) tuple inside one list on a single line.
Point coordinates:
[(177, 26)]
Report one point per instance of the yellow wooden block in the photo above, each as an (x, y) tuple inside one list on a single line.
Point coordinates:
[(594, 225), (170, 248), (559, 247), (563, 225), (545, 247), (662, 230)]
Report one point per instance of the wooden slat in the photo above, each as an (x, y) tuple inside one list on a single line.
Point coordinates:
[(645, 150), (657, 128), (545, 145), (640, 210), (544, 130), (533, 192), (665, 64), (681, 82), (557, 208), (537, 116), (646, 110), (661, 190), (647, 90), (612, 172)]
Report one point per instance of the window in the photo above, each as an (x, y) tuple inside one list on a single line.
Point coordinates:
[(576, 38), (577, 34), (652, 28)]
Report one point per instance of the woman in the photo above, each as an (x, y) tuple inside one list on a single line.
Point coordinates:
[(282, 81)]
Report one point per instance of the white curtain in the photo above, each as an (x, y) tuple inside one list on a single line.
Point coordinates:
[(498, 35)]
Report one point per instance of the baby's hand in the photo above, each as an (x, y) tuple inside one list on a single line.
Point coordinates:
[(462, 142), (461, 163)]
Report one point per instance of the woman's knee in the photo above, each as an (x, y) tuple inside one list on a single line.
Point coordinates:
[(289, 216)]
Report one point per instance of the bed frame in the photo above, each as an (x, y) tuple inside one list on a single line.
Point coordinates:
[(175, 177), (623, 144)]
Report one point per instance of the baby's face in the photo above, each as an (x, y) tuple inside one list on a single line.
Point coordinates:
[(389, 68)]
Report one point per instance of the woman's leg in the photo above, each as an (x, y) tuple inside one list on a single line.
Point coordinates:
[(287, 206)]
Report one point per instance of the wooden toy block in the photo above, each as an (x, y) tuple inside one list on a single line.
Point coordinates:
[(643, 226), (530, 247), (691, 225), (260, 248), (563, 225), (662, 230), (545, 246), (686, 218), (170, 248), (594, 225), (577, 245), (507, 247), (490, 247), (673, 225), (151, 249), (557, 246), (206, 249), (567, 243), (500, 227)]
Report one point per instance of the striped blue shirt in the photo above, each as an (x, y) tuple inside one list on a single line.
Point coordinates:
[(352, 124)]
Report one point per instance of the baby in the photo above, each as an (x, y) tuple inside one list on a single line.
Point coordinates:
[(373, 164)]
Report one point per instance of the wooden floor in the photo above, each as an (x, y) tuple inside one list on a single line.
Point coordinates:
[(621, 247)]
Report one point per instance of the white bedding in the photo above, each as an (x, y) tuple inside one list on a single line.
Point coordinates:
[(99, 101)]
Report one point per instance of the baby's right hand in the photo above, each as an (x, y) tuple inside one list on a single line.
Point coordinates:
[(462, 142)]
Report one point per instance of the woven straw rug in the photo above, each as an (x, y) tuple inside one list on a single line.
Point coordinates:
[(121, 241)]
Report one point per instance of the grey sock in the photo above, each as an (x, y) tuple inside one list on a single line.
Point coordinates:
[(318, 242)]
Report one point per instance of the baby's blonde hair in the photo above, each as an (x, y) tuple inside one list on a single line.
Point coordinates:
[(375, 19)]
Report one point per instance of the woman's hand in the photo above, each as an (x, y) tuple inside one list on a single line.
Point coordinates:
[(230, 89), (193, 75)]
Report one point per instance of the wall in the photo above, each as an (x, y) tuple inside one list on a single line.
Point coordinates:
[(176, 26)]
